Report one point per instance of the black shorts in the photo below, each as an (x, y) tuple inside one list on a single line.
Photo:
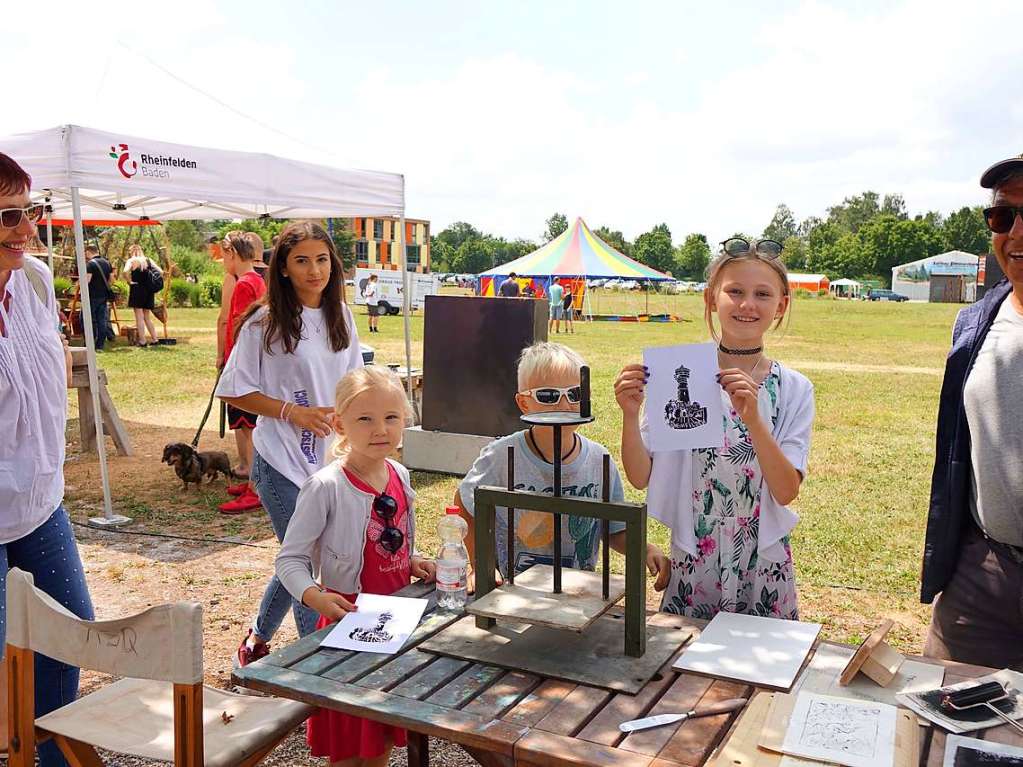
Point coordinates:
[(240, 419), (375, 311)]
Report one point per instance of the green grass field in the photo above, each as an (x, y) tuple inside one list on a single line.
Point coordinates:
[(876, 368)]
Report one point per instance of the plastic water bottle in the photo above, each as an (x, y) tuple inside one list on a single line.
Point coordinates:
[(452, 561)]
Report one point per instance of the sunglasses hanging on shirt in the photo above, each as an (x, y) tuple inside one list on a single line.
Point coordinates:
[(391, 538)]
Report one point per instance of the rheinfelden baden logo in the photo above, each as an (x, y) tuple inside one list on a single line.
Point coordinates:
[(152, 165), (123, 158)]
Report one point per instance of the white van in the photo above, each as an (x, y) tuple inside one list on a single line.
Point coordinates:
[(389, 288)]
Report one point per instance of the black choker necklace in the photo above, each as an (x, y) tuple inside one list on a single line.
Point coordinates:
[(740, 352), (536, 447)]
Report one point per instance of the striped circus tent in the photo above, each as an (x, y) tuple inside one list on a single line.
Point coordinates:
[(576, 252)]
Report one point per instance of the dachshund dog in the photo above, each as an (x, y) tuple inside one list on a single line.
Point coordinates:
[(192, 466)]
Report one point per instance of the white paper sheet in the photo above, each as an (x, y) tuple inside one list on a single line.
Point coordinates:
[(683, 397), (767, 652), (961, 751), (841, 730), (927, 703), (380, 625), (826, 665)]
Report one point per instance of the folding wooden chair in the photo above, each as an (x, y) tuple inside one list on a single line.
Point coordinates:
[(159, 710)]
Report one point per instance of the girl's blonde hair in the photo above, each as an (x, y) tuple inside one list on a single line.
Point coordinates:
[(715, 274), (362, 380)]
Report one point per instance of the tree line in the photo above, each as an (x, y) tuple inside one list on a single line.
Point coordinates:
[(863, 237)]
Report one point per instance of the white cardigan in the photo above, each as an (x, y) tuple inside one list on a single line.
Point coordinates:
[(327, 534), (670, 491)]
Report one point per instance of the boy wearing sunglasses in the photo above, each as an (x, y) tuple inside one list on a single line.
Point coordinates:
[(548, 379), (973, 554)]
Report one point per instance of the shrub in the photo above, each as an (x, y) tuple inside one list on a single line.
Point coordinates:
[(120, 290), (822, 293), (191, 261), (62, 287), (180, 292), (209, 292), (803, 293)]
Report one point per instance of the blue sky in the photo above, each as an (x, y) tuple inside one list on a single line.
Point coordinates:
[(703, 116)]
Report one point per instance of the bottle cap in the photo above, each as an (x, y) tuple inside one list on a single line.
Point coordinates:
[(451, 510)]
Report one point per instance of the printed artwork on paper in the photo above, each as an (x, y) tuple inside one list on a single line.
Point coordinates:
[(683, 398)]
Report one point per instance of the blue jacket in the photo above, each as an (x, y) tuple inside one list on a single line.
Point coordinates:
[(950, 484)]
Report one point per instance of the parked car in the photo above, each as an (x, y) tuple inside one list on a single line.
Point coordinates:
[(883, 294)]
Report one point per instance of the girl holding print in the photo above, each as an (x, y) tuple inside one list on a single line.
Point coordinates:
[(726, 506), (293, 346)]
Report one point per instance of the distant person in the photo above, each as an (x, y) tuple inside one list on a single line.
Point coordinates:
[(249, 287), (372, 295), (566, 305), (973, 552), (143, 274), (510, 287), (530, 291), (556, 294), (97, 275)]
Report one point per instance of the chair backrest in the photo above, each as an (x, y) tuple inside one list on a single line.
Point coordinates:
[(163, 643)]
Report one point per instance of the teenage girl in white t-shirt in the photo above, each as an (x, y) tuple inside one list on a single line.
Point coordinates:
[(293, 346)]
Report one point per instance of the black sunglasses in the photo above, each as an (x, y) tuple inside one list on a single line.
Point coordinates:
[(11, 217), (737, 247), (391, 538), (1000, 218)]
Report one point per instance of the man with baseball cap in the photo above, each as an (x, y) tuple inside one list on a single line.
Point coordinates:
[(973, 553)]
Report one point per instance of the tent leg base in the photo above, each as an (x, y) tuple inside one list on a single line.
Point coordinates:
[(117, 520)]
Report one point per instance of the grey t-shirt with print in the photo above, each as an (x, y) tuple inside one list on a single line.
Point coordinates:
[(534, 531), (993, 398)]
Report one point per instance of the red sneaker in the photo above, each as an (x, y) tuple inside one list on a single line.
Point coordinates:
[(238, 489), (247, 654), (247, 501)]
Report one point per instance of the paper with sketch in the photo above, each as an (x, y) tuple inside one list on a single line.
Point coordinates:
[(767, 652), (381, 624), (683, 397), (961, 751), (841, 730), (928, 703), (826, 665)]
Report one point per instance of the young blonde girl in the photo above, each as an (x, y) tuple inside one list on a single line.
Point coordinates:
[(354, 526), (727, 506)]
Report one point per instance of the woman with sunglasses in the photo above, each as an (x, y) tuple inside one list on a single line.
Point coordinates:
[(291, 348), (35, 532), (726, 506), (973, 553), (354, 526)]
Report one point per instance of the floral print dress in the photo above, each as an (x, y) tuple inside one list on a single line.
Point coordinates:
[(726, 574)]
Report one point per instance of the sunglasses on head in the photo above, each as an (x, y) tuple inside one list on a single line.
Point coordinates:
[(737, 247), (551, 395), (391, 538), (1000, 218), (11, 217)]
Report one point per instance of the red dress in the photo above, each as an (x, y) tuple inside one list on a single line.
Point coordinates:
[(340, 736)]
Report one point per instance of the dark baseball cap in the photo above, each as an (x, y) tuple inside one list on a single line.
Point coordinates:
[(993, 175)]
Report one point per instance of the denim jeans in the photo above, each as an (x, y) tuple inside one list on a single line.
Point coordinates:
[(278, 495), (50, 554), (101, 330)]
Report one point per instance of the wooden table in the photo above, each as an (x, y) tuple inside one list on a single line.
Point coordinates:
[(515, 718)]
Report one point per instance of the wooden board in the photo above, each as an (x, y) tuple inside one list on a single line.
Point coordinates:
[(531, 600), (594, 658), (907, 731), (864, 651)]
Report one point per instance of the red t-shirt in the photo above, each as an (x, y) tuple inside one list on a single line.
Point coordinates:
[(382, 571), (248, 288)]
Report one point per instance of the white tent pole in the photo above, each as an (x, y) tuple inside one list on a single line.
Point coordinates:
[(108, 518), (49, 233), (405, 301)]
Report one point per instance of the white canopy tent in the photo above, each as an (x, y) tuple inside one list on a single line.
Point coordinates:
[(85, 174), (846, 288)]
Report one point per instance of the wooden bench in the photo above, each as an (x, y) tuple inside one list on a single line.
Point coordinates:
[(112, 424)]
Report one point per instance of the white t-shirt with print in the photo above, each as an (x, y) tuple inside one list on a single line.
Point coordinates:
[(308, 376), (370, 294)]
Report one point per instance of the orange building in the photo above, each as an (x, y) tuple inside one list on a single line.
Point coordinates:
[(375, 246)]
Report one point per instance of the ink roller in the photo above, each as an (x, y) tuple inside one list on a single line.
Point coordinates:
[(978, 696)]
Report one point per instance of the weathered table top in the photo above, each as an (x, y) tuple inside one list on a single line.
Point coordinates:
[(506, 717)]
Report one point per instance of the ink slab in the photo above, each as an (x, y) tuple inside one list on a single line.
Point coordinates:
[(531, 599), (592, 658)]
